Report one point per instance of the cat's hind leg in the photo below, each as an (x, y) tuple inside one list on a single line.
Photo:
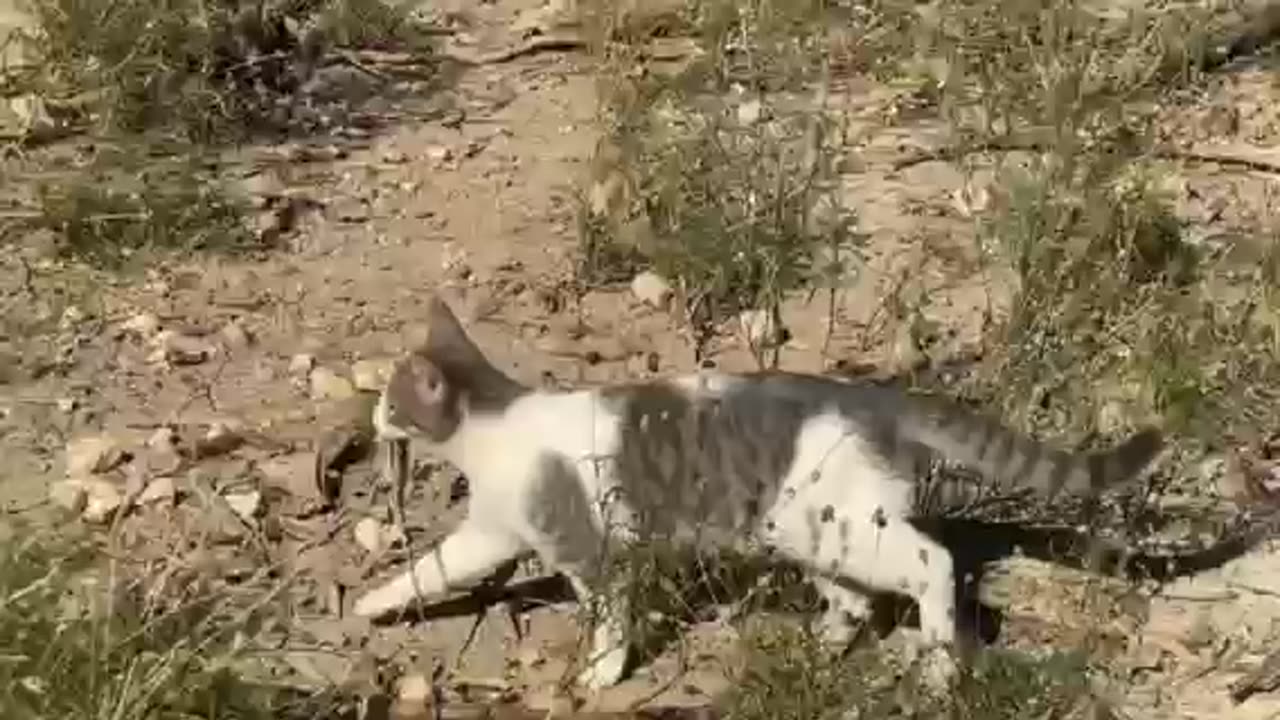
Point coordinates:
[(396, 461), (465, 557), (858, 528), (888, 554), (610, 647), (848, 610)]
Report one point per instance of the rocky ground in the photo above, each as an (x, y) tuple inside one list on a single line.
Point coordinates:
[(187, 409)]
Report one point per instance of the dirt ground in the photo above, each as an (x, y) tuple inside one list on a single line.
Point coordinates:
[(478, 202)]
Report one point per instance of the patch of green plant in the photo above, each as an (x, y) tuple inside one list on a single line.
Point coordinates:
[(728, 185), (127, 202), (366, 23), (788, 674)]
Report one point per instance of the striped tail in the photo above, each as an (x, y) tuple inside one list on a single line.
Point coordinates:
[(1013, 460)]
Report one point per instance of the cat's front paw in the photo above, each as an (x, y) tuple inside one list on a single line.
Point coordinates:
[(605, 670), (374, 604)]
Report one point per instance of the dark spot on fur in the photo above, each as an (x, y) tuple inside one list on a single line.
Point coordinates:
[(924, 557), (828, 514), (459, 489), (879, 518), (923, 588), (815, 476), (951, 613), (770, 525)]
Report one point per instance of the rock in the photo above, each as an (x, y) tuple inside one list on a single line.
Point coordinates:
[(368, 535), (453, 261), (263, 188), (351, 210), (144, 325), (277, 221), (72, 316), (294, 474), (375, 536), (413, 697), (162, 456), (92, 455), (102, 499), (164, 438), (372, 375), (28, 115), (178, 349), (245, 504), (219, 439), (329, 385), (301, 364), (439, 154), (69, 494), (652, 289), (970, 201), (235, 336)]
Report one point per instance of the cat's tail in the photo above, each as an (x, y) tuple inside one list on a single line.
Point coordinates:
[(1013, 460)]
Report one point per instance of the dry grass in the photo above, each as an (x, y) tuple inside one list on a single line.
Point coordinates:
[(787, 675), (88, 639), (125, 204)]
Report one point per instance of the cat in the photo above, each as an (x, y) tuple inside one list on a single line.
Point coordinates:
[(817, 469)]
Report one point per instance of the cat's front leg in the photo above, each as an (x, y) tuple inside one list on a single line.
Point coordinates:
[(465, 557), (395, 472), (393, 447), (607, 615)]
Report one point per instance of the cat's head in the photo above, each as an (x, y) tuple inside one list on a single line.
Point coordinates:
[(444, 379)]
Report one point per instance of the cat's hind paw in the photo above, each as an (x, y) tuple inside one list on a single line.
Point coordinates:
[(938, 670), (604, 670)]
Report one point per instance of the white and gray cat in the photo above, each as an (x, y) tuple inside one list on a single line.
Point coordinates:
[(816, 469)]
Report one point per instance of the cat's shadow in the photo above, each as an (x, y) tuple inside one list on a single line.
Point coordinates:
[(706, 588)]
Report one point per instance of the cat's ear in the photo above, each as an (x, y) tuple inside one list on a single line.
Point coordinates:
[(445, 339), (419, 396), (428, 384)]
